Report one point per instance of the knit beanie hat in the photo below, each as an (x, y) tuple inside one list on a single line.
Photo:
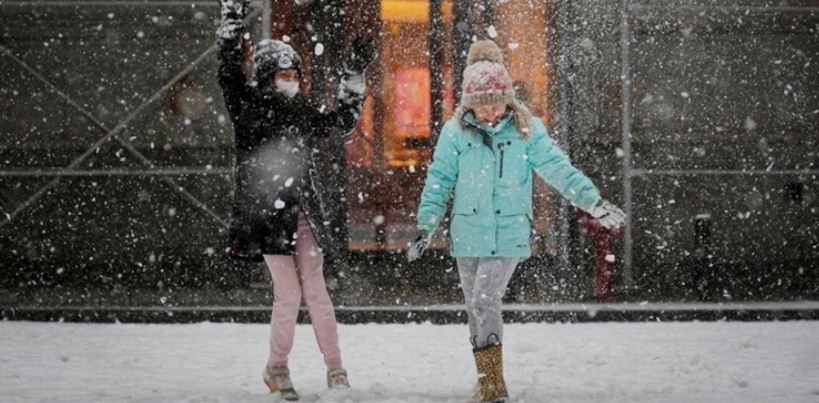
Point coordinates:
[(271, 55), (485, 79)]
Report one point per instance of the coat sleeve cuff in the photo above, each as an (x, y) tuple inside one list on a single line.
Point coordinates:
[(428, 224)]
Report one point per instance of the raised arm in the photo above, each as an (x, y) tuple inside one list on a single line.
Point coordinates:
[(229, 40)]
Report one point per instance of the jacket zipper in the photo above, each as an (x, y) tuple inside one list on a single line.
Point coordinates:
[(500, 147)]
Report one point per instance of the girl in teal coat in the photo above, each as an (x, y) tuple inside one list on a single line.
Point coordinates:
[(485, 155)]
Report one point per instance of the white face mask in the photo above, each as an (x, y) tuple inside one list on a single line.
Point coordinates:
[(288, 88)]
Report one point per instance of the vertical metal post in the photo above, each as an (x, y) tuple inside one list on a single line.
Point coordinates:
[(462, 37), (560, 213), (334, 28), (267, 16), (436, 62), (488, 15), (625, 43), (568, 232), (318, 74)]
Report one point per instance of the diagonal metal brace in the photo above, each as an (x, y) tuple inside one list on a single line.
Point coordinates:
[(111, 133)]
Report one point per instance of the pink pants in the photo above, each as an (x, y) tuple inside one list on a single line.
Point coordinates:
[(294, 277)]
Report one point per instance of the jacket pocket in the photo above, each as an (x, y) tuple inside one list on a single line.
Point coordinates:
[(514, 164), (464, 208), (514, 233), (466, 236), (513, 209), (512, 203)]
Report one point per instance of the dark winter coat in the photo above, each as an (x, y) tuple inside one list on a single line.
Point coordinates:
[(275, 173)]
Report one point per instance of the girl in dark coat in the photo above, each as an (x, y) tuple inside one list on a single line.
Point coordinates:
[(278, 214)]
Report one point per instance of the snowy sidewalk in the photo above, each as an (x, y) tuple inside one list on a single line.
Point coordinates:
[(589, 362), (435, 313)]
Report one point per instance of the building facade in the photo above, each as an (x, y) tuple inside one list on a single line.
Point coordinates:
[(699, 117)]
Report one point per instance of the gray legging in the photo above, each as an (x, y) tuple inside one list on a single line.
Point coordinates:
[(484, 282)]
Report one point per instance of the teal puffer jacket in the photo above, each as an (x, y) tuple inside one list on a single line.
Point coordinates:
[(490, 170)]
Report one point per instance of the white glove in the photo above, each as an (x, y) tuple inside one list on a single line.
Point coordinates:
[(609, 215), (229, 31), (351, 91), (352, 84), (233, 9), (419, 245)]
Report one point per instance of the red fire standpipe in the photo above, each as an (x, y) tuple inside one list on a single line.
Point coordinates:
[(603, 239)]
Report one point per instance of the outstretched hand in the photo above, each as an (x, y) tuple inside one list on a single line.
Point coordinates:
[(231, 25), (229, 30), (234, 9), (419, 245), (362, 53), (609, 215)]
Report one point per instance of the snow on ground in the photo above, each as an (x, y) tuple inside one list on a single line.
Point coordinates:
[(590, 362)]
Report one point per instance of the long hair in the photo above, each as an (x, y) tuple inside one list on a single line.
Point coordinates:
[(523, 118)]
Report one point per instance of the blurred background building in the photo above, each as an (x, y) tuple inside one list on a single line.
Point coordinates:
[(700, 118)]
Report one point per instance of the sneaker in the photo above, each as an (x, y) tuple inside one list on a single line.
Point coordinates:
[(337, 378), (277, 380)]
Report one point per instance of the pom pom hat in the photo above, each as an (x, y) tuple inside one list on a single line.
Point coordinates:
[(487, 82), (485, 50), (485, 79)]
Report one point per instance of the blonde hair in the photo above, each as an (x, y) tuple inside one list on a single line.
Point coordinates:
[(523, 118)]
